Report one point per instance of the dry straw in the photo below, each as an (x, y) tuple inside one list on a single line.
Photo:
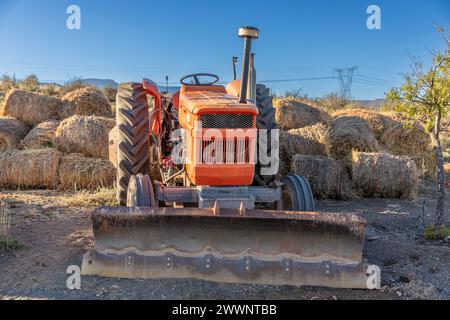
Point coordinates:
[(350, 133), (86, 102), (12, 132), (292, 113), (29, 168), (328, 177), (41, 136), (29, 107), (5, 224), (307, 141), (78, 172), (372, 117), (85, 135), (383, 175)]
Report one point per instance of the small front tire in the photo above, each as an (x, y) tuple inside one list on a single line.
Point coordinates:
[(140, 192), (297, 194)]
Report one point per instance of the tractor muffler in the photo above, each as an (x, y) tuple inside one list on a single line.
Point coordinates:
[(231, 246)]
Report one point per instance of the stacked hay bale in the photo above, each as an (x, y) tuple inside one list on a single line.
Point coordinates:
[(292, 113), (447, 172), (402, 139), (29, 107), (29, 168), (396, 137), (80, 160), (348, 133), (41, 136), (383, 175), (374, 119), (85, 102), (306, 141), (328, 177), (12, 131), (79, 172), (85, 135)]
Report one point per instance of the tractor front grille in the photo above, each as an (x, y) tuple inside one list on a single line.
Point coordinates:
[(227, 151), (227, 121)]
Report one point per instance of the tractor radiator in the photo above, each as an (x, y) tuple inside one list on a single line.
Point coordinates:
[(227, 151)]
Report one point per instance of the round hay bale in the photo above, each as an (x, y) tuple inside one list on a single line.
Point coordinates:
[(85, 102), (350, 133), (301, 141), (41, 136), (372, 117), (85, 135), (78, 172), (29, 107), (291, 113), (29, 168), (401, 139), (12, 132), (447, 172), (114, 136), (383, 175), (328, 177)]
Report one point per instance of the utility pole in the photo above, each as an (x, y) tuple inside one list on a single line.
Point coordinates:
[(235, 61), (345, 77)]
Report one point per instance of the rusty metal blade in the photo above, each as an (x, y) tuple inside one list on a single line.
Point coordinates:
[(256, 246)]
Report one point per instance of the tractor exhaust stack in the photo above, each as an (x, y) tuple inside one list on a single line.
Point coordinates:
[(248, 33)]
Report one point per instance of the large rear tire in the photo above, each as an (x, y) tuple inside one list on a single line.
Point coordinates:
[(297, 194), (265, 120), (132, 118)]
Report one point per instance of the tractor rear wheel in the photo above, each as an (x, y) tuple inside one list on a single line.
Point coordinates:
[(140, 192), (132, 119), (265, 120), (297, 194)]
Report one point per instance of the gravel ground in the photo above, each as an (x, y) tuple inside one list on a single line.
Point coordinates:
[(55, 236)]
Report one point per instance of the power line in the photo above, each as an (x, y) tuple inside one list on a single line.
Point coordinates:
[(377, 79), (296, 79)]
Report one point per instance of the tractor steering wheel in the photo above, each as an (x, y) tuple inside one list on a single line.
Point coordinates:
[(197, 79)]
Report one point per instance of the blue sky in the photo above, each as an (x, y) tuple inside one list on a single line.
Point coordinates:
[(129, 40)]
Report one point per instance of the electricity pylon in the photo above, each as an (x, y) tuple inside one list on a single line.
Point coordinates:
[(345, 77)]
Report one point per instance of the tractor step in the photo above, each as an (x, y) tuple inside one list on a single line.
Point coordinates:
[(230, 246)]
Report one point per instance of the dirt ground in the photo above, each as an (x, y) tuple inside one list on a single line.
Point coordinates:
[(55, 235)]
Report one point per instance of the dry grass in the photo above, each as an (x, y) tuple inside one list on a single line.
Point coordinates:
[(83, 198), (350, 133), (29, 168), (385, 176), (77, 172), (87, 198), (41, 136), (7, 243), (328, 177), (86, 102), (12, 131), (29, 107), (85, 135), (292, 113), (5, 224)]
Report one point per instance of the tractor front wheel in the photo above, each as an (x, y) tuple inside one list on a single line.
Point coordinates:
[(297, 194), (140, 192)]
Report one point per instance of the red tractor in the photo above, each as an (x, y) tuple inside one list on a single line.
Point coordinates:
[(203, 217)]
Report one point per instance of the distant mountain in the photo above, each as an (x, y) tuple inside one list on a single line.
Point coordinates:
[(100, 83), (375, 104)]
